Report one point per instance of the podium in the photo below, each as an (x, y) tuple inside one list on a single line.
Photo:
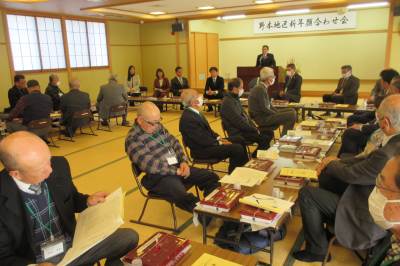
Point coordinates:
[(248, 73)]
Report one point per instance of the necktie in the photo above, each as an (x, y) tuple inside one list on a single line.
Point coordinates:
[(341, 88), (36, 188), (214, 81), (180, 80)]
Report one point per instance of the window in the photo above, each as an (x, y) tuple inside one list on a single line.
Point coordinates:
[(87, 40), (25, 45)]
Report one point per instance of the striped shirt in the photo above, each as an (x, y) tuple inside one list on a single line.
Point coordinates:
[(149, 154)]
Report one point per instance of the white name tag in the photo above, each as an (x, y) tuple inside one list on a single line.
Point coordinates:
[(53, 248), (61, 94), (171, 158)]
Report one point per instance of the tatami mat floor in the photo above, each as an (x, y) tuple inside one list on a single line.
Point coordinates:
[(100, 163)]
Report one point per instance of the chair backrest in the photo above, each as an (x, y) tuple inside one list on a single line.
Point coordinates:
[(40, 123), (81, 115), (223, 129), (253, 83), (186, 150), (118, 107), (136, 173), (143, 88)]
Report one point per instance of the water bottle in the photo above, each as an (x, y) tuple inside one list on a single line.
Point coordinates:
[(364, 104)]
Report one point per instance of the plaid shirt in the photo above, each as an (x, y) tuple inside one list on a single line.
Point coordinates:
[(17, 109), (393, 254), (148, 154)]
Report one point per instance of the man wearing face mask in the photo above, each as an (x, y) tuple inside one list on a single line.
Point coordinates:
[(384, 203), (261, 109), (160, 155), (238, 123), (346, 91), (73, 101), (54, 91), (342, 196), (292, 87), (202, 141)]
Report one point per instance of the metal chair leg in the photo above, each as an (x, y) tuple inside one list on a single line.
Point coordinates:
[(328, 249), (173, 214)]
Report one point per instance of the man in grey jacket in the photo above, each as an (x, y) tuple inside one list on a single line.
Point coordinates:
[(110, 94), (261, 109), (236, 121), (342, 196)]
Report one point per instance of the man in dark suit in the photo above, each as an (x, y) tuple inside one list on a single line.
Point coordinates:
[(17, 91), (292, 88), (110, 94), (179, 84), (387, 215), (214, 87), (34, 184), (265, 59), (74, 101), (54, 91), (344, 188), (203, 142), (346, 91)]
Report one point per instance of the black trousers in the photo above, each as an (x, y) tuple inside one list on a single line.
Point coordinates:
[(263, 140), (236, 152), (171, 187), (286, 97), (318, 206), (334, 99), (353, 141), (360, 117), (219, 96)]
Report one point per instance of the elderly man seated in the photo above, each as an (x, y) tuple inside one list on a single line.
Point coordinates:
[(261, 109), (39, 202), (33, 106), (238, 123), (73, 101), (203, 142), (342, 195), (54, 91), (110, 94), (160, 155)]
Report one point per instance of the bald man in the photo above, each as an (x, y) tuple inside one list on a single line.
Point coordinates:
[(32, 183), (160, 155), (71, 102)]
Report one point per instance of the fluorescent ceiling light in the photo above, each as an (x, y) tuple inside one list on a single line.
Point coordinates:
[(205, 7), (233, 17), (157, 13), (368, 5), (292, 11), (263, 1)]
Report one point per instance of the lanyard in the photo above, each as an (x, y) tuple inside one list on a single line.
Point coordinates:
[(237, 101), (22, 94), (202, 116), (48, 201), (393, 136), (35, 92), (163, 143)]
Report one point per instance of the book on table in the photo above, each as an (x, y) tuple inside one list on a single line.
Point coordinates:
[(330, 131), (371, 107), (310, 124), (307, 173), (290, 181), (254, 214), (245, 176), (325, 145), (307, 152), (290, 140), (267, 203), (261, 165), (280, 102), (325, 104), (211, 260), (161, 249), (222, 199)]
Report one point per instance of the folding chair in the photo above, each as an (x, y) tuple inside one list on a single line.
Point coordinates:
[(154, 196), (37, 126), (248, 143), (76, 117), (114, 108), (273, 128)]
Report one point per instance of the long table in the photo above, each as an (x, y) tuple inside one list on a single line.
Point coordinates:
[(284, 160), (314, 107)]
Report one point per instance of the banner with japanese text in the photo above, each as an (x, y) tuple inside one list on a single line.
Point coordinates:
[(311, 22)]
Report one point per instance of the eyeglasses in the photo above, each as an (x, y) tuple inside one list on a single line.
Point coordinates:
[(153, 123), (378, 182)]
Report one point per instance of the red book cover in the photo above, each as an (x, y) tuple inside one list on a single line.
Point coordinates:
[(280, 102), (224, 198), (291, 179), (307, 152), (260, 164), (330, 131), (290, 140), (161, 249), (323, 104), (254, 212)]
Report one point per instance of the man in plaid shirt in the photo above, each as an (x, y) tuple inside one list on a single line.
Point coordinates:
[(160, 155)]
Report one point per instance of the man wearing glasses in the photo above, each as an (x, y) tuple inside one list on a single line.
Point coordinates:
[(384, 204), (261, 109), (160, 155), (342, 196)]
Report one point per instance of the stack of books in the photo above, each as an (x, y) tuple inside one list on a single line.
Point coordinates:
[(222, 199), (330, 131), (289, 181), (290, 140), (252, 214), (335, 122), (261, 165), (310, 124), (280, 102), (175, 98), (307, 152), (371, 107), (326, 104), (160, 249)]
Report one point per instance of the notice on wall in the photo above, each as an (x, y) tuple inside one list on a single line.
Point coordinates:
[(310, 22)]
